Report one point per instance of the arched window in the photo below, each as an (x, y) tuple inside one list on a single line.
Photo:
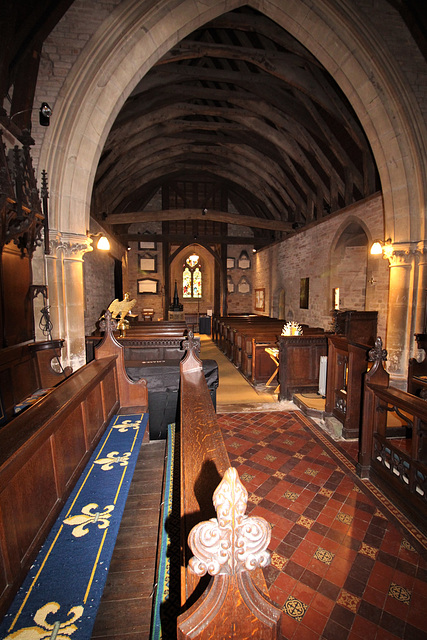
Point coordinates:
[(192, 278)]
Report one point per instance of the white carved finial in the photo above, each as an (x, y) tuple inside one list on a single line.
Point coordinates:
[(233, 542)]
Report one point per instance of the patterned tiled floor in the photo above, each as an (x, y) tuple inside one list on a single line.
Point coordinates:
[(343, 566)]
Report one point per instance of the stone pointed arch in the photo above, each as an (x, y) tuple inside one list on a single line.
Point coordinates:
[(107, 71), (137, 34)]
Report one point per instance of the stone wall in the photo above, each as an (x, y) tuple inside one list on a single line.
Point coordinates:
[(361, 278), (98, 277)]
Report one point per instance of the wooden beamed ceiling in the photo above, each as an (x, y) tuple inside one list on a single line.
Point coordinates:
[(241, 105)]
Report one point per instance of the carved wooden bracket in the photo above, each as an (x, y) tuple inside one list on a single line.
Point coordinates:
[(21, 217)]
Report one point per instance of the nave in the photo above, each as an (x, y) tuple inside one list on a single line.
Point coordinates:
[(345, 564)]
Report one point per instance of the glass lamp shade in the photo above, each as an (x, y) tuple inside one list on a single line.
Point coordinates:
[(376, 249), (103, 244)]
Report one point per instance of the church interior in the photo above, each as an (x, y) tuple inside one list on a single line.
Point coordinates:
[(213, 244)]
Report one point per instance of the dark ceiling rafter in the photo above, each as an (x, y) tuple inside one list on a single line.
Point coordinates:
[(242, 104)]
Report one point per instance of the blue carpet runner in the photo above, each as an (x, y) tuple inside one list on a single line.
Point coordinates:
[(62, 591), (166, 598)]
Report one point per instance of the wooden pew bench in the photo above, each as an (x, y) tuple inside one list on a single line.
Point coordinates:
[(44, 449), (235, 602), (395, 464), (417, 370), (147, 347), (26, 372)]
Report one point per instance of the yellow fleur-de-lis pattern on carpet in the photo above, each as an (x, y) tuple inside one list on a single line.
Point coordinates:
[(62, 591), (113, 458), (89, 516)]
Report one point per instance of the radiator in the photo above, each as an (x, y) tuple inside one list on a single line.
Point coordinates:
[(322, 375)]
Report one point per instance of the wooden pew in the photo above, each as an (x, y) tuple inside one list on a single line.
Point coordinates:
[(269, 331), (26, 368), (44, 449), (397, 466), (235, 603), (299, 363), (145, 346), (347, 364), (417, 371)]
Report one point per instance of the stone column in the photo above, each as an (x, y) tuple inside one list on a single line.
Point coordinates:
[(403, 261), (421, 316), (64, 269)]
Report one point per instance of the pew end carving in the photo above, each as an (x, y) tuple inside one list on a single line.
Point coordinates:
[(131, 393), (396, 464), (235, 602)]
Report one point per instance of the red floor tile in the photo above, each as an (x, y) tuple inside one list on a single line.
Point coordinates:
[(365, 549)]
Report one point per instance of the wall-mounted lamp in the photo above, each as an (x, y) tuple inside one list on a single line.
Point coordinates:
[(102, 242), (380, 247), (44, 114)]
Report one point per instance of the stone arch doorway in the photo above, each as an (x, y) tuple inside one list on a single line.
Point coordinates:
[(362, 280), (349, 261), (105, 74)]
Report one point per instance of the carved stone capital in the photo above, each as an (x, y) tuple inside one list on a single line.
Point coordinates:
[(404, 254), (71, 245)]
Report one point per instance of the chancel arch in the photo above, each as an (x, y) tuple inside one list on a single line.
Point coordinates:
[(107, 71)]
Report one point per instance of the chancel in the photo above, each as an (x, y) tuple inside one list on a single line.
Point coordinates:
[(223, 206)]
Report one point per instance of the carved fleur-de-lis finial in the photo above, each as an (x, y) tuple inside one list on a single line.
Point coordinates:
[(233, 542), (377, 354), (190, 344), (107, 323)]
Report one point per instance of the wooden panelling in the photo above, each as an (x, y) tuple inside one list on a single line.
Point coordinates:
[(69, 448), (94, 412), (28, 500), (110, 391), (299, 363)]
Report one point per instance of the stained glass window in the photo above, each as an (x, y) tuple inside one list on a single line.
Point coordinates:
[(186, 283), (192, 278)]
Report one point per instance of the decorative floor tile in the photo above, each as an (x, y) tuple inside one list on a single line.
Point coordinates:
[(324, 556), (246, 477), (311, 472), (295, 608), (406, 545), (278, 561), (299, 456), (371, 552), (348, 600), (305, 522), (279, 474), (325, 492), (270, 458), (400, 593), (291, 495), (255, 499), (344, 517)]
